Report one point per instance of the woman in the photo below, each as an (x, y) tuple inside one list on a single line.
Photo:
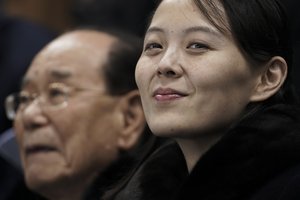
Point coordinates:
[(215, 76)]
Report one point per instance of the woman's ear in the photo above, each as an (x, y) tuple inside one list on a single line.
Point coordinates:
[(271, 79), (134, 120)]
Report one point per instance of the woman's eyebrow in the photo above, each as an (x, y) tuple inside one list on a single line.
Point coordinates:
[(203, 29), (154, 29)]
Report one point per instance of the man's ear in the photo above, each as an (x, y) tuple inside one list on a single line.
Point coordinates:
[(271, 79), (134, 120)]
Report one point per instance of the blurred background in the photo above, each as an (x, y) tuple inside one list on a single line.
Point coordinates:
[(27, 25), (60, 15)]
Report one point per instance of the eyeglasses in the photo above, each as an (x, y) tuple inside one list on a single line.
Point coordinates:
[(55, 97)]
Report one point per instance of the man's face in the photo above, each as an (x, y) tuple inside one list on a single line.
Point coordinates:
[(62, 144)]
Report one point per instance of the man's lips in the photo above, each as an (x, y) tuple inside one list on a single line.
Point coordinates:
[(39, 149), (167, 94)]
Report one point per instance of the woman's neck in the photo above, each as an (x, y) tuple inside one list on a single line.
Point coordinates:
[(194, 148)]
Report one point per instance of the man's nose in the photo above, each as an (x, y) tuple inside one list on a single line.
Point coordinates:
[(33, 115)]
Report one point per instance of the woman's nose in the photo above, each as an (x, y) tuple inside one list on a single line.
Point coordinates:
[(167, 72), (169, 65)]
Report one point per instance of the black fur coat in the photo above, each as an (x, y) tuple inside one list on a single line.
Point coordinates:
[(258, 159), (157, 176)]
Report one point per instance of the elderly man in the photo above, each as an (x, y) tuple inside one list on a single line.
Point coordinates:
[(77, 109)]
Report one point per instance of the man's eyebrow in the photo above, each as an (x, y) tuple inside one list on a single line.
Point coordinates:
[(60, 74), (56, 74)]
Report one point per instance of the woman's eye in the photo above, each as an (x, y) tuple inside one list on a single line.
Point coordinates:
[(153, 49), (152, 46), (197, 46)]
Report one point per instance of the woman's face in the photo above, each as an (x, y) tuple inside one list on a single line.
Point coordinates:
[(192, 78)]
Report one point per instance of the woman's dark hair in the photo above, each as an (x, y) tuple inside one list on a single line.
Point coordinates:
[(260, 29)]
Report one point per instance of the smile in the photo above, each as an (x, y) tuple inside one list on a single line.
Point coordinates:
[(167, 94)]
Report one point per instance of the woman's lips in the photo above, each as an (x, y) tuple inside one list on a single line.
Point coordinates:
[(167, 94)]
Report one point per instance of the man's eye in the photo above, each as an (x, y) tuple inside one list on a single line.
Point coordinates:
[(54, 92), (57, 96), (57, 89), (24, 99)]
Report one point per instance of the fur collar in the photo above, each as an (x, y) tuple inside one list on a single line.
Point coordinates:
[(158, 177), (107, 179), (155, 177), (257, 149)]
